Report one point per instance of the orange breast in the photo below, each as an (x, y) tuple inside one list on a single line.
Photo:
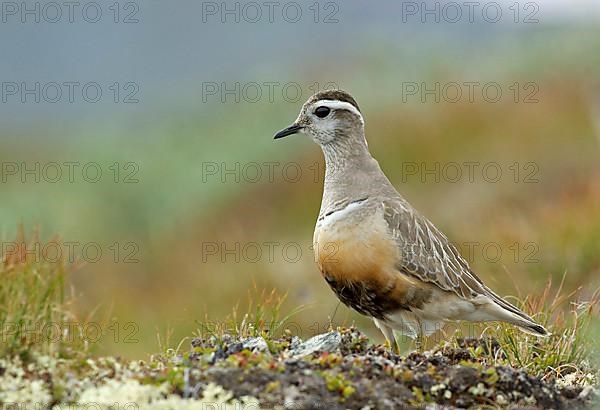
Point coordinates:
[(351, 255), (354, 253)]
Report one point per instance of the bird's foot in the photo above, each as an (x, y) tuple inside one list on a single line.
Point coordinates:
[(420, 343), (392, 346)]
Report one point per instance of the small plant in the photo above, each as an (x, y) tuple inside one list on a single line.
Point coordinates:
[(34, 304), (262, 318)]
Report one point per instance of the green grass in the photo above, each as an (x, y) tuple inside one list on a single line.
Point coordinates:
[(571, 349), (262, 318), (35, 307)]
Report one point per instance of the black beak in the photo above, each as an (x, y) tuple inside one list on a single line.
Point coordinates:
[(292, 129)]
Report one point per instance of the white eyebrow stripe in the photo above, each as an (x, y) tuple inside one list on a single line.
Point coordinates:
[(342, 105)]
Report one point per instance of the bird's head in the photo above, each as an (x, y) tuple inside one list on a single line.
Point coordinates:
[(329, 117)]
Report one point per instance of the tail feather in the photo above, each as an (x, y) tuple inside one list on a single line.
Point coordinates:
[(533, 329), (509, 313)]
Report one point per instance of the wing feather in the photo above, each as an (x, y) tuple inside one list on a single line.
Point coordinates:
[(427, 254)]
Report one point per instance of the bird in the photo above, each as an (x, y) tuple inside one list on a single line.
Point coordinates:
[(379, 255)]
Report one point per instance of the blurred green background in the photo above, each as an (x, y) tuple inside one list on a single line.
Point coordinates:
[(180, 224)]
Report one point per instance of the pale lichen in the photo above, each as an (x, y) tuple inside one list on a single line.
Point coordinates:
[(17, 388)]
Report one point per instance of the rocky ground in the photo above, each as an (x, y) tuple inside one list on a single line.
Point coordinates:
[(335, 370), (339, 370)]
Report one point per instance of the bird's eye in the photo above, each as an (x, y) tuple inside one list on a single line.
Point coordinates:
[(322, 111)]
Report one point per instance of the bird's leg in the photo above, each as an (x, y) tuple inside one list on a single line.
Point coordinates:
[(390, 338), (419, 343), (420, 340), (394, 345)]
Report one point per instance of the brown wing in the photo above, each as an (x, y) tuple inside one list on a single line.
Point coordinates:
[(428, 254)]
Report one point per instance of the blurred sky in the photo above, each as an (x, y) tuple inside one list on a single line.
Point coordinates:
[(172, 49), (163, 57)]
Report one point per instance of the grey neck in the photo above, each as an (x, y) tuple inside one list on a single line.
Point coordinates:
[(351, 174)]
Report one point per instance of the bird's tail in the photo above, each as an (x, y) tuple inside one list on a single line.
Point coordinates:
[(506, 312)]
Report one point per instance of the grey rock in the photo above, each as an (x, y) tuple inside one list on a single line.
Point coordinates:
[(291, 396), (295, 343), (256, 344), (177, 360), (587, 392), (326, 342)]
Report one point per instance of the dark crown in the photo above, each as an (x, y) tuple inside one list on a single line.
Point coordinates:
[(338, 95)]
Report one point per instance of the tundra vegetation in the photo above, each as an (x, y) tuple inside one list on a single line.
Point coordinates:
[(252, 359)]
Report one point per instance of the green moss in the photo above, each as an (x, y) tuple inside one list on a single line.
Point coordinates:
[(247, 359), (58, 392), (336, 382), (404, 375), (272, 386), (175, 378), (473, 365), (419, 397), (328, 360), (491, 376)]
